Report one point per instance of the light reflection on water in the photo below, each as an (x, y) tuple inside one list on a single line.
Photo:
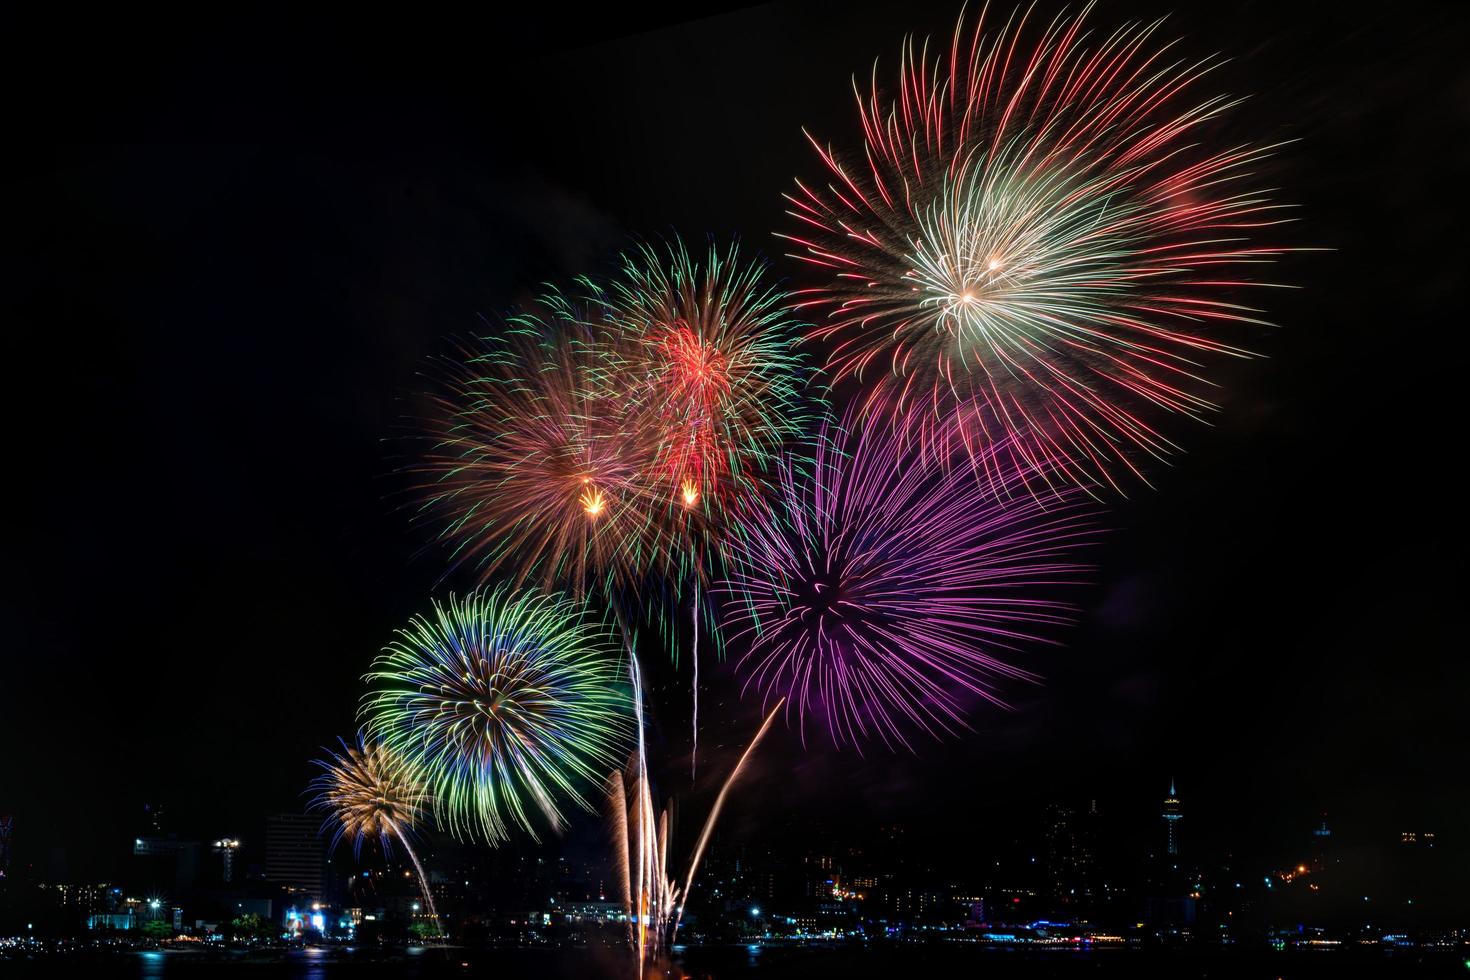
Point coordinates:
[(734, 962), (152, 966), (315, 964)]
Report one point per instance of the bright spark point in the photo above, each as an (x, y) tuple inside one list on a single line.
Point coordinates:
[(593, 502)]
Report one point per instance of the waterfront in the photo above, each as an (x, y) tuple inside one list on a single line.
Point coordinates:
[(731, 962)]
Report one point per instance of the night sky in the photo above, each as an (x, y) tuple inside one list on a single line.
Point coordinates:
[(231, 247)]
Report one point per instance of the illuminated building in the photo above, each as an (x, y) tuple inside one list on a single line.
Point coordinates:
[(87, 899), (226, 848), (112, 921), (1069, 836)]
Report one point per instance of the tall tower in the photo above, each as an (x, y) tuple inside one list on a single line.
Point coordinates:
[(1172, 814), (1321, 841)]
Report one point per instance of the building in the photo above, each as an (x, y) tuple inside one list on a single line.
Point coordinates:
[(7, 827), (294, 855), (87, 900), (227, 848), (166, 864), (1070, 861)]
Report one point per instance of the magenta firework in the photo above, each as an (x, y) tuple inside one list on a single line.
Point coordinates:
[(1041, 236), (883, 597)]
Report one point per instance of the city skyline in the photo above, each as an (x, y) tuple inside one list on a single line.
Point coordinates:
[(1072, 860)]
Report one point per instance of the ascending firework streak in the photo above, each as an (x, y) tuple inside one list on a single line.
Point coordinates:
[(368, 790), (714, 814), (879, 595), (1040, 238), (651, 896)]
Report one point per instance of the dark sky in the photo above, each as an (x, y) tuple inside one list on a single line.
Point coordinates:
[(231, 246)]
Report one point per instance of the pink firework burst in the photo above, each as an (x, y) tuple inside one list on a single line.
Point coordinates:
[(1040, 241)]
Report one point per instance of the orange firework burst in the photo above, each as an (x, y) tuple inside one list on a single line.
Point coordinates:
[(370, 791)]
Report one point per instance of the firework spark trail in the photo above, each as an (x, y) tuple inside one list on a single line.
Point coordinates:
[(1040, 241), (646, 853), (652, 898), (424, 888), (618, 804), (714, 814), (880, 593), (641, 875)]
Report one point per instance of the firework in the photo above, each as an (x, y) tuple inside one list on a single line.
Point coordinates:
[(369, 791), (505, 704), (881, 595), (714, 814), (652, 899), (712, 366), (1038, 239), (538, 462)]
